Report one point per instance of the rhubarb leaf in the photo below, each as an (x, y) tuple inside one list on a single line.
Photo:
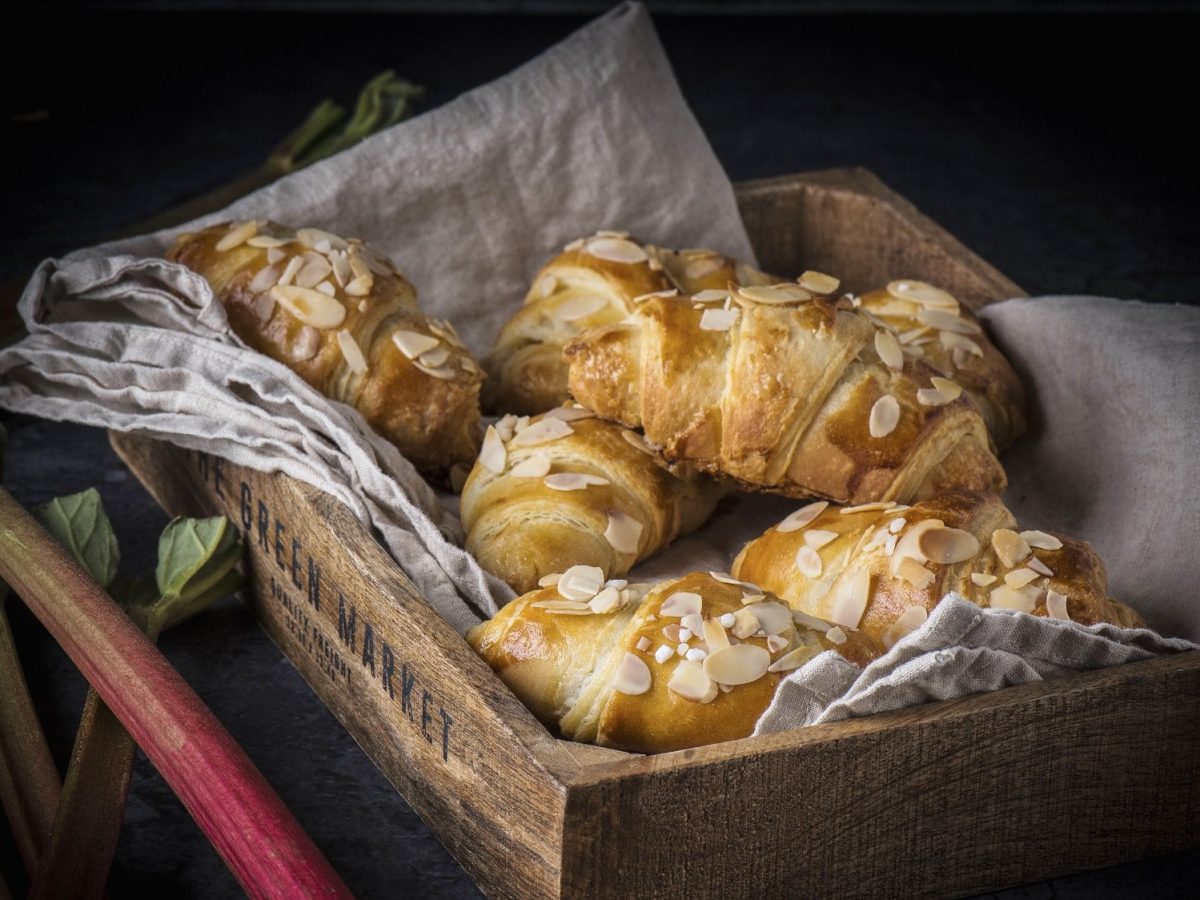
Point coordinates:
[(194, 555), (80, 524)]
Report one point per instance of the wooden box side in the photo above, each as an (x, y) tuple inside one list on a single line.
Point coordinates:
[(472, 761), (848, 223), (945, 799)]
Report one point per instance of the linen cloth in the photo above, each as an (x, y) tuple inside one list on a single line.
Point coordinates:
[(468, 200)]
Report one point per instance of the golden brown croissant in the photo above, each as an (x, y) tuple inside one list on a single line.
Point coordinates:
[(347, 322), (567, 488), (877, 571), (784, 389), (930, 324), (593, 282), (602, 662)]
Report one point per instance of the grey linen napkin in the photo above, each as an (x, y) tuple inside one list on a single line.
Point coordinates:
[(467, 200), (1113, 456)]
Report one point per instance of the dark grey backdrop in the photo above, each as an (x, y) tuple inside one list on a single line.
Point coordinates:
[(1053, 145)]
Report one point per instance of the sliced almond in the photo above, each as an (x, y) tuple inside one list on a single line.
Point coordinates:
[(1018, 578), (921, 293), (310, 237), (1040, 540), (412, 343), (711, 295), (326, 287), (737, 664), (237, 235), (310, 307), (947, 545), (617, 250), (835, 635), (773, 618), (816, 538), (275, 255), (681, 603), (774, 294), (536, 466), (947, 321), (541, 432), (1056, 605), (623, 532), (265, 242), (1023, 599), (351, 352), (435, 357), (915, 573), (865, 507), (913, 618), (264, 305), (492, 454), (689, 681), (549, 580), (946, 387), (265, 279), (745, 623), (632, 675), (570, 413), (573, 481), (360, 286), (982, 580), (307, 343), (851, 600), (818, 282), (793, 659), (801, 517), (692, 624), (889, 350), (718, 319), (1038, 566), (567, 605), (579, 308), (885, 416), (606, 601), (808, 562), (315, 269), (445, 373), (952, 341), (714, 635), (1010, 547), (581, 582), (909, 544)]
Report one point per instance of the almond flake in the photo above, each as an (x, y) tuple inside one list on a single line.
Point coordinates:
[(1040, 567), (581, 582), (884, 417), (351, 352), (948, 545), (921, 293), (541, 432), (606, 601), (745, 623), (274, 256), (889, 350), (816, 538), (1056, 605), (737, 664), (573, 481), (264, 305), (773, 617), (445, 373), (1023, 599), (774, 294), (915, 573), (310, 307), (308, 342), (663, 653), (808, 562), (264, 280), (314, 270), (711, 295), (718, 319), (573, 245), (549, 580), (810, 622), (360, 286), (579, 308), (1040, 540), (636, 440), (793, 659), (801, 517), (714, 635), (623, 532), (1018, 578), (536, 466), (981, 579), (310, 237), (569, 413), (913, 618), (565, 605), (948, 388), (493, 454), (617, 250), (896, 525), (1010, 547), (326, 288), (237, 235), (435, 357), (947, 321), (865, 507), (913, 334), (265, 242), (818, 282), (689, 681), (412, 343), (952, 341), (835, 635), (681, 603), (643, 643), (632, 676), (851, 600)]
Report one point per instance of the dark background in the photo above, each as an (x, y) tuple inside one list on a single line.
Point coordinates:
[(1053, 144)]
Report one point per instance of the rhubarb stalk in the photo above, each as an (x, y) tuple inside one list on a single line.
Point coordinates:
[(263, 845)]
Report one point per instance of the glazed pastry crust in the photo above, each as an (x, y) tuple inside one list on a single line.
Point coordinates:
[(431, 414), (781, 400), (859, 549), (521, 529)]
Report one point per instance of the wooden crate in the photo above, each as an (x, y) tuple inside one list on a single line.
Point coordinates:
[(945, 799)]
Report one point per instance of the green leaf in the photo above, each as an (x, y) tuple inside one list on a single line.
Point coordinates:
[(80, 524), (195, 554)]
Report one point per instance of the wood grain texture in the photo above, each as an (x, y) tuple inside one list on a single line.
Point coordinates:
[(940, 800)]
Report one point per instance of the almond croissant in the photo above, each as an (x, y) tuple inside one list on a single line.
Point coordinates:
[(346, 320), (592, 282), (567, 488), (876, 571), (784, 389)]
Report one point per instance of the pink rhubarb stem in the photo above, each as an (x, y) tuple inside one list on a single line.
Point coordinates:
[(263, 845)]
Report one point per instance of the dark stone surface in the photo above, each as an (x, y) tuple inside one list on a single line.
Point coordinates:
[(1048, 144)]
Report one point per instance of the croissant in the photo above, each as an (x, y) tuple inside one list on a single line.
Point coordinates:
[(686, 662), (784, 389), (929, 323), (566, 488), (593, 281), (877, 570), (345, 320)]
